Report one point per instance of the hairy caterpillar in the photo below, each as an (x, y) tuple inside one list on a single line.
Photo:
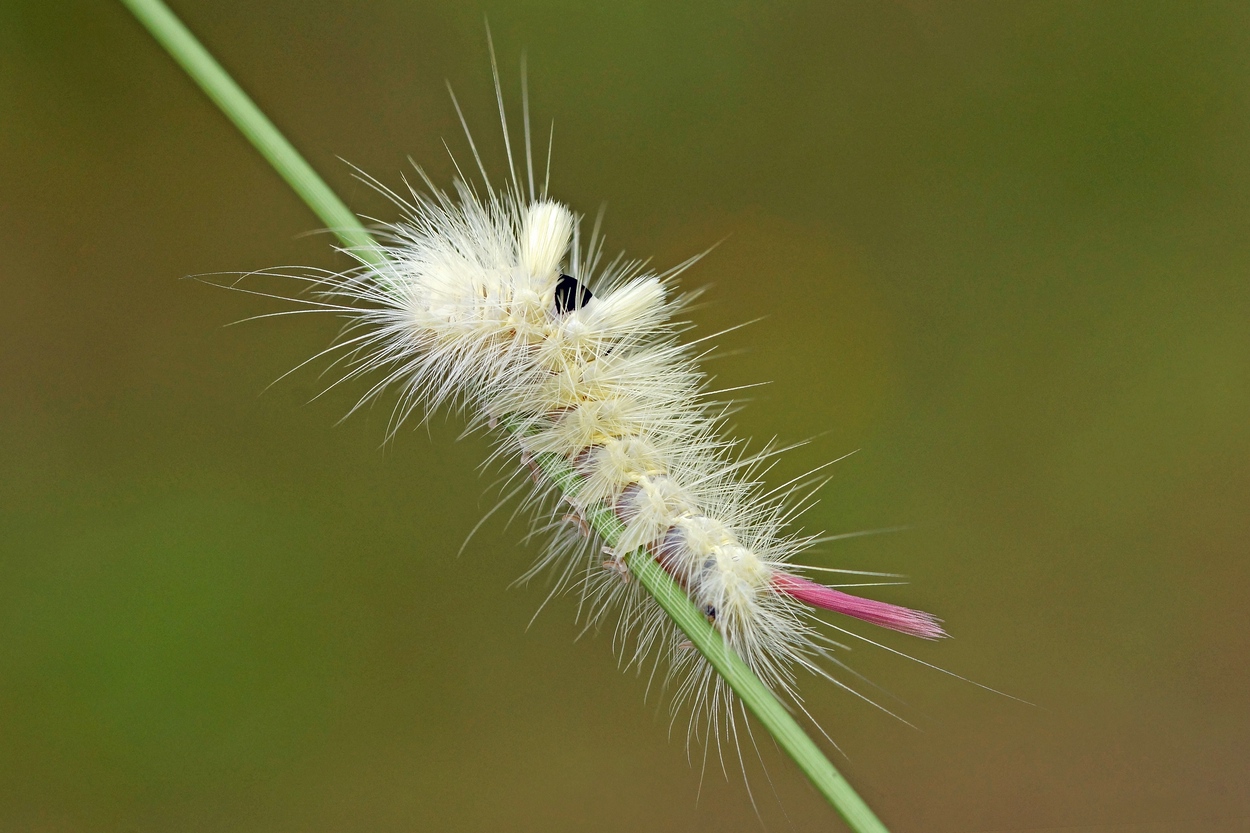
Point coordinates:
[(489, 302)]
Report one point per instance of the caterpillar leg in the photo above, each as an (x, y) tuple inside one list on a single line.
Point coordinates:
[(536, 474), (579, 522), (617, 565)]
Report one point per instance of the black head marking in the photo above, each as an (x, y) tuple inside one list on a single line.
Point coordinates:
[(571, 295)]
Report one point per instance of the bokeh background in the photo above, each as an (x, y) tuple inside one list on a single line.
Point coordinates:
[(1002, 249)]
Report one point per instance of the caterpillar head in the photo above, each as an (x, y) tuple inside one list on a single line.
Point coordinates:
[(546, 233)]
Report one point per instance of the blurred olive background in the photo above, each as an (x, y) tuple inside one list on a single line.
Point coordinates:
[(1000, 248)]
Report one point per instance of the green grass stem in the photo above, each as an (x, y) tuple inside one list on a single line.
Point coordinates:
[(757, 697), (255, 125)]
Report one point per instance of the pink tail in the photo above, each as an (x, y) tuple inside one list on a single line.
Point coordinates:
[(902, 619)]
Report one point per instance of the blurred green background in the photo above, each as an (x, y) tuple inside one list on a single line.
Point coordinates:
[(1001, 248)]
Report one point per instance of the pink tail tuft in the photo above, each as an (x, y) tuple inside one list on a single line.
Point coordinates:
[(902, 619)]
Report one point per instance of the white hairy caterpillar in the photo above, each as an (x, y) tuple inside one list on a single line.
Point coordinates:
[(490, 303)]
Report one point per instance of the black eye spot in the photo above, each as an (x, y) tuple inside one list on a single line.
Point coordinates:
[(710, 612), (571, 295)]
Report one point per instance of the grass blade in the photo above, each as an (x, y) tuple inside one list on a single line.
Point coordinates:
[(260, 131)]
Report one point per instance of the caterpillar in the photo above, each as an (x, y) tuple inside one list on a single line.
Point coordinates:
[(487, 300)]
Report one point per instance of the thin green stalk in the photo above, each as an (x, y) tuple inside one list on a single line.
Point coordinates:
[(757, 697), (255, 125)]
